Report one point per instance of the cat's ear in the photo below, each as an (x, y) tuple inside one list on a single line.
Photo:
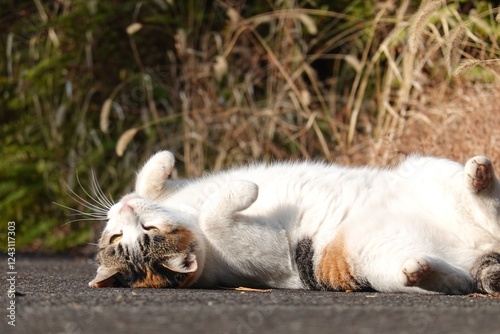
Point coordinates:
[(182, 263), (105, 278)]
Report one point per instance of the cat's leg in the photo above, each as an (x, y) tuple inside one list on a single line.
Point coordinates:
[(226, 229), (486, 273), (388, 272), (151, 180), (252, 245), (394, 253), (479, 174)]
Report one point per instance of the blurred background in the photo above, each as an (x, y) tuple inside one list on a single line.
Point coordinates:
[(92, 88)]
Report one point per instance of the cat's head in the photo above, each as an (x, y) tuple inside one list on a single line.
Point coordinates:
[(145, 244)]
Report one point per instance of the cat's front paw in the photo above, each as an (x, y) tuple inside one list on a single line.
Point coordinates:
[(160, 165), (235, 196), (479, 173), (242, 194), (151, 178), (415, 271)]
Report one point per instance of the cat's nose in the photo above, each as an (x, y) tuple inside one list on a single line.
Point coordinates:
[(129, 202), (126, 207)]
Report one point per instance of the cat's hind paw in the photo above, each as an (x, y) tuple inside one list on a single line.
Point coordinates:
[(479, 173), (486, 273), (431, 274), (415, 271)]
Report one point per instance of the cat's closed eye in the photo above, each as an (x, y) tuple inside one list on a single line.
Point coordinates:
[(151, 228), (115, 238)]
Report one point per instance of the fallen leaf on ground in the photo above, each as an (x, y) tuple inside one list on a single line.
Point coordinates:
[(484, 295), (242, 288)]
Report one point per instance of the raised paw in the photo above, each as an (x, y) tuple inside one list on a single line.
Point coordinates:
[(415, 271), (220, 210), (160, 164), (235, 196), (151, 178), (479, 172), (241, 194)]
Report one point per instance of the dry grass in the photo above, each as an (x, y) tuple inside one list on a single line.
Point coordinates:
[(454, 122), (463, 122), (454, 118), (251, 92)]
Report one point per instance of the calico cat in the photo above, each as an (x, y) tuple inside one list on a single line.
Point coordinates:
[(429, 225)]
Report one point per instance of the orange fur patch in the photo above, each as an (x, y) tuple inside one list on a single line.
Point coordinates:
[(334, 269), (151, 281), (183, 238)]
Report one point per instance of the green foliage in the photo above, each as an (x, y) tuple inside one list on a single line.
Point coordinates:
[(216, 82)]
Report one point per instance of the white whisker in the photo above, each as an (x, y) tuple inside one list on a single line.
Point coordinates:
[(76, 212), (86, 203), (96, 211), (96, 203), (82, 219), (96, 188), (86, 214), (81, 201)]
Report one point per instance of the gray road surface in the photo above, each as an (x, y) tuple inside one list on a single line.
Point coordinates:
[(57, 300)]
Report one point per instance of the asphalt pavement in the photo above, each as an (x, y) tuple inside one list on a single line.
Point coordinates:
[(53, 297)]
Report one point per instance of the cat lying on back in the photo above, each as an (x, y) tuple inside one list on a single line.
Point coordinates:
[(428, 226)]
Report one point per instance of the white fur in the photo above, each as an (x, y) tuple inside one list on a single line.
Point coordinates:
[(415, 228)]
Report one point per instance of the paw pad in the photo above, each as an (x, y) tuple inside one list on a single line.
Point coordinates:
[(415, 271), (481, 174)]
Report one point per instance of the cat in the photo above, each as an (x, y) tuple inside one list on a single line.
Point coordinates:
[(429, 225)]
